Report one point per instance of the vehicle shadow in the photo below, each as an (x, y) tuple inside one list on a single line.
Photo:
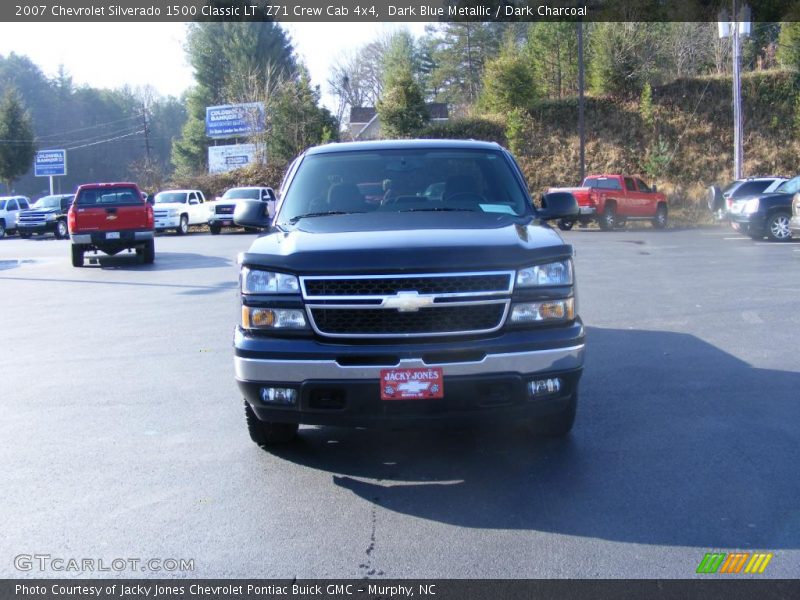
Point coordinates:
[(165, 261), (676, 443)]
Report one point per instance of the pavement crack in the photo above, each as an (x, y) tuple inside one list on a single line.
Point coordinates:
[(367, 569)]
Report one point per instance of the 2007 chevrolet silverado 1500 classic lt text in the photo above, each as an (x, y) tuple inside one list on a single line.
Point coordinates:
[(408, 308)]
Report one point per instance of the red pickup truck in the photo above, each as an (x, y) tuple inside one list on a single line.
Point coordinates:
[(614, 199), (111, 217)]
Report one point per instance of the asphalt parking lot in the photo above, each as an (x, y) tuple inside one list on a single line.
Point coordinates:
[(124, 437)]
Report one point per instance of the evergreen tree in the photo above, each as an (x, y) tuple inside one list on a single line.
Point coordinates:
[(17, 147), (401, 108), (508, 81)]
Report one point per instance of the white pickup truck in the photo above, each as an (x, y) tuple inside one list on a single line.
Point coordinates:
[(179, 209), (9, 212)]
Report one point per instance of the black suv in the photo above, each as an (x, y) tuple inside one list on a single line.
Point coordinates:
[(768, 214), (47, 215), (409, 308)]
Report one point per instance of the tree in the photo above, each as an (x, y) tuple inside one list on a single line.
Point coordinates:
[(508, 81), (624, 56), (357, 79), (17, 147), (552, 49), (789, 46), (401, 108)]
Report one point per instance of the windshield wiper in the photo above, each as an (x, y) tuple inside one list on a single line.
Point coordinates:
[(325, 213), (439, 209)]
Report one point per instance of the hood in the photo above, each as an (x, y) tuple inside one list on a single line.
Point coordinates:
[(40, 211), (407, 242), (169, 205)]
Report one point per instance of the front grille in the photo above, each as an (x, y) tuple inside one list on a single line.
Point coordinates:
[(36, 217), (426, 321), (479, 283), (160, 214), (224, 210)]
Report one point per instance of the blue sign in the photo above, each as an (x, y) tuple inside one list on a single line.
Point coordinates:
[(50, 163), (234, 120)]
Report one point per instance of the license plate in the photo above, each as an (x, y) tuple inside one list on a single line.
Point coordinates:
[(112, 235), (412, 384), (227, 223)]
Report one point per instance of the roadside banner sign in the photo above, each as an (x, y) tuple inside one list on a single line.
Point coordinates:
[(50, 163), (234, 120), (228, 158)]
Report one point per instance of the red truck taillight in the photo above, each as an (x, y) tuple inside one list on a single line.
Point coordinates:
[(71, 219), (149, 221)]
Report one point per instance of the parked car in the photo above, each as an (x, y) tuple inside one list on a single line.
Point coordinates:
[(422, 309), (47, 215), (10, 207), (612, 200), (110, 218), (222, 209), (720, 201), (767, 214), (179, 209)]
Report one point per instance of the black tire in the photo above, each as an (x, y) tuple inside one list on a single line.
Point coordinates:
[(77, 256), (215, 228), (2, 230), (25, 236), (149, 252), (183, 227), (660, 220), (267, 433), (608, 220), (778, 226), (566, 224), (558, 424), (62, 230), (714, 199)]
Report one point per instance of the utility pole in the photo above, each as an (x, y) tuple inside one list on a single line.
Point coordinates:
[(146, 134), (737, 97), (581, 125)]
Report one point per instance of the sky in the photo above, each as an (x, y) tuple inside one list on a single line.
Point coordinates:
[(93, 55)]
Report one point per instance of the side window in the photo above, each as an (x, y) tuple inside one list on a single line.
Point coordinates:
[(750, 188), (192, 198), (643, 187), (629, 185), (65, 202), (23, 204), (12, 205)]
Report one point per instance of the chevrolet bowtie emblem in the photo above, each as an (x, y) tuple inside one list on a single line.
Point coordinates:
[(407, 301), (110, 217)]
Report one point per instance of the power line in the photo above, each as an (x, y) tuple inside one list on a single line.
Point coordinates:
[(89, 127), (108, 140)]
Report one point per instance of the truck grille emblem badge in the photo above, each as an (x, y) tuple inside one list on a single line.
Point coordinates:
[(407, 301)]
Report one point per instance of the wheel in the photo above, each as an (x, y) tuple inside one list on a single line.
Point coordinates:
[(267, 433), (2, 230), (558, 424), (566, 224), (149, 252), (77, 256), (609, 218), (778, 226), (660, 220), (215, 228), (183, 227), (62, 231), (24, 236)]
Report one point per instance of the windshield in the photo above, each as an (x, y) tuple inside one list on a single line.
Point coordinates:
[(48, 202), (602, 183), (171, 197), (242, 194), (790, 187), (2, 204), (419, 179)]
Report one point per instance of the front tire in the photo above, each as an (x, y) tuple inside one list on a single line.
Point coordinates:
[(778, 227), (608, 220), (77, 256), (660, 220), (149, 252), (566, 224), (183, 226), (25, 236), (62, 230), (215, 228), (2, 230), (268, 433)]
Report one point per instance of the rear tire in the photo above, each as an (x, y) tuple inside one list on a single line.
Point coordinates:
[(778, 227), (183, 226), (566, 224), (215, 228), (608, 219), (558, 424), (660, 220), (62, 231), (2, 230), (268, 433), (77, 256), (149, 252), (25, 236)]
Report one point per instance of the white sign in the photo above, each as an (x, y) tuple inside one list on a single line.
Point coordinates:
[(228, 158)]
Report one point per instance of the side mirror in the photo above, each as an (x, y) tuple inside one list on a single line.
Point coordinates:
[(251, 213), (558, 205)]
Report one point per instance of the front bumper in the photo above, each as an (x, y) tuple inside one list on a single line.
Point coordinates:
[(339, 384), (38, 227), (224, 220), (167, 223)]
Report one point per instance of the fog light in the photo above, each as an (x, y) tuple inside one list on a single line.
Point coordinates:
[(539, 388), (275, 395)]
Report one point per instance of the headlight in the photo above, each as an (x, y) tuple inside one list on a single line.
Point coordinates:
[(50, 217), (173, 212), (554, 273), (273, 318), (255, 281), (538, 312), (750, 207)]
